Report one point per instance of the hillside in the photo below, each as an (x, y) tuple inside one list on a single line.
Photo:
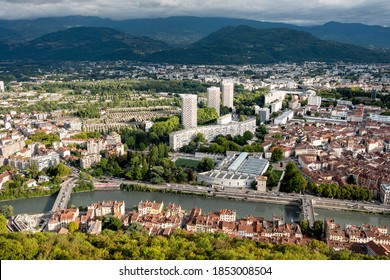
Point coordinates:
[(184, 30), (244, 44), (84, 43)]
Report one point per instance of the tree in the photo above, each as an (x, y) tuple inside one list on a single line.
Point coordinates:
[(3, 225), (206, 164), (317, 229), (73, 227), (112, 223), (277, 155), (199, 138), (7, 211), (248, 135), (33, 171), (206, 115), (351, 180)]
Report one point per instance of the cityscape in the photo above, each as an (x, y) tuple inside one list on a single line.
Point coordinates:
[(245, 142)]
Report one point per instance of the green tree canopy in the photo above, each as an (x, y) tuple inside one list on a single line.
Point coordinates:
[(277, 155), (206, 164), (207, 115)]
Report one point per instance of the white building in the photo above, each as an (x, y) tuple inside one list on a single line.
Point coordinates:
[(214, 98), (237, 171), (227, 93), (379, 118), (90, 160), (181, 138), (276, 106), (2, 89), (384, 193), (189, 113), (273, 96), (226, 119), (94, 146), (314, 101), (49, 159), (284, 118)]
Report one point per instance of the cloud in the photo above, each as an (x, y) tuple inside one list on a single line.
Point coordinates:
[(298, 11)]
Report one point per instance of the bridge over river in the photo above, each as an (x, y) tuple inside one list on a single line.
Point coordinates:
[(63, 196), (308, 210)]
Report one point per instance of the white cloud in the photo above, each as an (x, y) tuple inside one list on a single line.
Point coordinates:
[(298, 11)]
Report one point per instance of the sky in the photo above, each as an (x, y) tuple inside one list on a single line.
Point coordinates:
[(300, 12)]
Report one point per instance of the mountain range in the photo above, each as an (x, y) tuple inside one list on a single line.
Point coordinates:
[(83, 43), (228, 45), (185, 30)]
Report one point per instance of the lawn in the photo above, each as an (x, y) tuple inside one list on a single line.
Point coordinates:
[(185, 162)]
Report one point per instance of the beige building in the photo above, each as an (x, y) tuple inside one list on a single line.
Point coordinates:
[(214, 98), (227, 93), (149, 207), (261, 183), (90, 160), (189, 111), (94, 146)]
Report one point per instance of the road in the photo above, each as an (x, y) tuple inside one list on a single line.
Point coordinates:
[(270, 197), (63, 196)]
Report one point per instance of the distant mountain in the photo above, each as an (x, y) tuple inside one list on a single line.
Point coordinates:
[(352, 33), (182, 31), (244, 44), (83, 43), (229, 45)]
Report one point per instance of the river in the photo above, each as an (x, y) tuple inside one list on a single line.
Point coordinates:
[(243, 208)]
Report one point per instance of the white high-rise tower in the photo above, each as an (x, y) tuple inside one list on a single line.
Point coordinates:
[(2, 86), (214, 98), (189, 110), (227, 94)]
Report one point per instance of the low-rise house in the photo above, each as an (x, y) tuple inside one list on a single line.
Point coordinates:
[(62, 218)]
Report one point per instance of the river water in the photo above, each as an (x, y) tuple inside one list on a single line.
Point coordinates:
[(243, 208)]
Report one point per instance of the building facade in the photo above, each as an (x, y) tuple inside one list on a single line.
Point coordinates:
[(384, 193), (189, 113), (214, 98), (227, 93), (181, 138)]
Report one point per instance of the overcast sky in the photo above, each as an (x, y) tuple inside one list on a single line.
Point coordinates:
[(301, 12)]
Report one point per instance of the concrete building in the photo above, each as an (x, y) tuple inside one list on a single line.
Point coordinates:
[(227, 93), (314, 101), (264, 114), (226, 119), (181, 138), (274, 96), (294, 104), (2, 88), (189, 113), (214, 98), (43, 161), (261, 183), (276, 106), (284, 118), (94, 146), (113, 138), (384, 193), (379, 118), (11, 147), (90, 160), (74, 124), (237, 170)]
